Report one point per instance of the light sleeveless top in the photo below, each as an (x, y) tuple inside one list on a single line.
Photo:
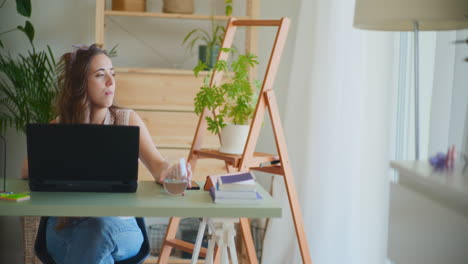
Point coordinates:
[(122, 117)]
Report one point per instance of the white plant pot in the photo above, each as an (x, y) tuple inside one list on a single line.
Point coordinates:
[(233, 138)]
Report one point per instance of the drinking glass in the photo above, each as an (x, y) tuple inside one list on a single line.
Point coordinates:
[(176, 180)]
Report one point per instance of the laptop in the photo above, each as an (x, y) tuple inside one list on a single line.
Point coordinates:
[(82, 157)]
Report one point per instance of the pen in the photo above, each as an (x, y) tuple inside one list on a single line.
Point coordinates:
[(264, 164)]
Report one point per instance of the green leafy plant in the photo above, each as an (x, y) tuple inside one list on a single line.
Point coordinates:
[(28, 83), (235, 99), (228, 7), (215, 37), (211, 39), (28, 91), (23, 7)]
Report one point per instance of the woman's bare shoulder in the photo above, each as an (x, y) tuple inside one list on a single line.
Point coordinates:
[(134, 118)]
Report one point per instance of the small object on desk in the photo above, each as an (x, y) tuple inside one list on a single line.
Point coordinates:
[(175, 187), (443, 160), (15, 197), (212, 180), (450, 156), (438, 161), (238, 194), (233, 200), (177, 182), (237, 181), (269, 163), (231, 188), (194, 185)]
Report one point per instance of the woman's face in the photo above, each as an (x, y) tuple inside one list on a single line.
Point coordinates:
[(101, 83)]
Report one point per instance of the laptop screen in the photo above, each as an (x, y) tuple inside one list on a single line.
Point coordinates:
[(82, 153)]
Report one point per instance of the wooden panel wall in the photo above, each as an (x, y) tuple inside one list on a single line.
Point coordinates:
[(164, 100), (174, 129), (157, 90), (204, 166)]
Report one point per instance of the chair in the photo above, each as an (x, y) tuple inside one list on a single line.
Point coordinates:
[(40, 246)]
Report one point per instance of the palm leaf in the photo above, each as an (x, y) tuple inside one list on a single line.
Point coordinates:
[(28, 89)]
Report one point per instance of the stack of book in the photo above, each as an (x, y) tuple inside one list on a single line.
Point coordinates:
[(14, 197), (233, 188)]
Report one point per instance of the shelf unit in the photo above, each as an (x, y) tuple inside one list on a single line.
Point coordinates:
[(252, 12), (165, 15), (164, 97)]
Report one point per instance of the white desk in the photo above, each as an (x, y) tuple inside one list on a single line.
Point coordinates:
[(448, 187)]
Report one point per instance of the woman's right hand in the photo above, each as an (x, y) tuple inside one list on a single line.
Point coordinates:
[(173, 172)]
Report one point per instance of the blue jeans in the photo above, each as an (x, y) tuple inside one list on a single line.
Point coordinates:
[(93, 240)]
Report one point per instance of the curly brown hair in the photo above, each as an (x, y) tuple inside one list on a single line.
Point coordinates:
[(72, 105)]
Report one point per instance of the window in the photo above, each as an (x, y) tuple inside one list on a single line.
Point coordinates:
[(443, 94)]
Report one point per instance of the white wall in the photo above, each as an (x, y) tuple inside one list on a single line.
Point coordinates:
[(143, 42)]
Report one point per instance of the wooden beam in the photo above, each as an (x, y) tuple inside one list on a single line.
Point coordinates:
[(100, 6), (166, 15)]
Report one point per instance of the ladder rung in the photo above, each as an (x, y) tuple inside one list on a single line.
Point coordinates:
[(185, 246), (214, 154), (233, 159), (278, 170)]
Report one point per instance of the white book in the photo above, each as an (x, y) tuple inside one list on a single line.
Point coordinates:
[(242, 194), (219, 200)]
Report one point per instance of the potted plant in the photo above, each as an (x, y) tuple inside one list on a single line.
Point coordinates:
[(234, 100), (211, 41)]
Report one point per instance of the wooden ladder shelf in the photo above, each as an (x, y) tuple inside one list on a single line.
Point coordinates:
[(248, 160)]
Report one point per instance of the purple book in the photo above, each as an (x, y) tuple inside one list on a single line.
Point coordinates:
[(237, 181), (236, 178)]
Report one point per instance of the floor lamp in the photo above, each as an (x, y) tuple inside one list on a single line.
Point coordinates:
[(412, 15)]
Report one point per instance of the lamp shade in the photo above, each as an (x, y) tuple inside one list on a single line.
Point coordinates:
[(399, 15)]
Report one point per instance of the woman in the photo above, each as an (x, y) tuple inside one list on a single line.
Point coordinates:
[(87, 88)]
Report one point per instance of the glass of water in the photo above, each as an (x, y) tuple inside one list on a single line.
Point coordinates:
[(176, 180)]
